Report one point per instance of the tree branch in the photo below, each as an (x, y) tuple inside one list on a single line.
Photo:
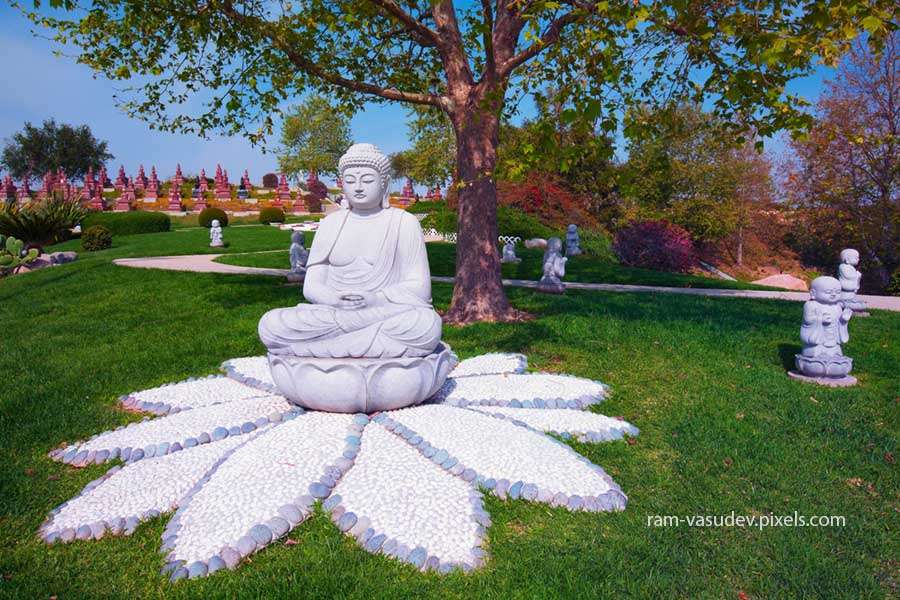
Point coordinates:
[(266, 29), (423, 34), (451, 46), (550, 37)]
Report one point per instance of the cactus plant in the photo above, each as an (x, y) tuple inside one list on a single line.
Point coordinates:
[(12, 255)]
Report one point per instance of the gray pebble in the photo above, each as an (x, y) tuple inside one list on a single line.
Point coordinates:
[(150, 451), (304, 501), (275, 417), (362, 523), (429, 452), (203, 438), (575, 503), (163, 448), (347, 521), (332, 502), (402, 552), (235, 430), (67, 534), (490, 483), (469, 474), (115, 528), (449, 463), (176, 447), (317, 490), (247, 427), (230, 556), (101, 456), (68, 456), (415, 440), (219, 433), (90, 456), (197, 569), (388, 547), (261, 422), (170, 567), (361, 419), (559, 499), (500, 488), (515, 490), (375, 542), (353, 440), (178, 574), (350, 453), (417, 557), (290, 513), (440, 456), (328, 481), (544, 495), (278, 526), (190, 442), (83, 532), (98, 528), (365, 535), (125, 454), (215, 564), (529, 491), (137, 454), (80, 458), (432, 563), (445, 567), (131, 523), (245, 545), (261, 534)]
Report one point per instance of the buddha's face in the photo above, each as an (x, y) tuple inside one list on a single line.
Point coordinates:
[(826, 290), (363, 187)]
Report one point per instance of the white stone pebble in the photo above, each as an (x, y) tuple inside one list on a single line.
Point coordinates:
[(498, 449), (252, 371), (192, 394), (562, 420), (153, 484), (527, 387), (256, 480), (490, 364), (190, 423), (409, 498)]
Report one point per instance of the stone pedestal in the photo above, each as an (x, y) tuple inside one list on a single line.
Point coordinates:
[(367, 385)]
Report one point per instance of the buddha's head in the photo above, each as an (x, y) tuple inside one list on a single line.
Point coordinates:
[(554, 244), (366, 176), (297, 237), (825, 289), (850, 256)]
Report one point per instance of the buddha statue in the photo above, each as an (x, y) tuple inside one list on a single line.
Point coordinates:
[(298, 255), (823, 331), (368, 288), (215, 234), (850, 279), (509, 253), (573, 242)]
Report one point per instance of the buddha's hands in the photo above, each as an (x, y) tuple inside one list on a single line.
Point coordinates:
[(846, 314), (358, 300)]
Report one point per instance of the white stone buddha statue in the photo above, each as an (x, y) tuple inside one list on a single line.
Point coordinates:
[(367, 279)]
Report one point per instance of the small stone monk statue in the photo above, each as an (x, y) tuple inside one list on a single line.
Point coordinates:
[(367, 278), (573, 242), (509, 253), (554, 268), (215, 235), (850, 278), (299, 256), (823, 331)]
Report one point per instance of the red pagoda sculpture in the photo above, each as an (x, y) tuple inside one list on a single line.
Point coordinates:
[(126, 198), (24, 191), (174, 197), (103, 178), (121, 180), (222, 188), (283, 194), (140, 182), (151, 190), (179, 178)]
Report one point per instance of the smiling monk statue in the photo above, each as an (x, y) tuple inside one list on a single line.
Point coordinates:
[(367, 280)]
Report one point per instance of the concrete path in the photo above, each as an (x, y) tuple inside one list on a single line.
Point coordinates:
[(205, 263)]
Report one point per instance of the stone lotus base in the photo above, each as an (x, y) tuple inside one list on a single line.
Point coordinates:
[(834, 367), (361, 385), (551, 286), (845, 381)]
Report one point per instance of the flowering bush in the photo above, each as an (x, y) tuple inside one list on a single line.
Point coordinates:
[(655, 245)]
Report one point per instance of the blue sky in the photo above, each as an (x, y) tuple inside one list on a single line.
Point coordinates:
[(39, 85)]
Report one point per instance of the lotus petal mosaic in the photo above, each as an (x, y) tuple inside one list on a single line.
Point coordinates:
[(239, 467)]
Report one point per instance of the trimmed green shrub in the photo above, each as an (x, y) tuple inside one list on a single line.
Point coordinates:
[(129, 223), (597, 243), (442, 220), (96, 238), (271, 214), (211, 213)]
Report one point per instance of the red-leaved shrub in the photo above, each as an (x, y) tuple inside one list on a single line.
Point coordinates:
[(548, 199), (656, 245)]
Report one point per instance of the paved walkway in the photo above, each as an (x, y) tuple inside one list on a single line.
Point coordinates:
[(205, 263)]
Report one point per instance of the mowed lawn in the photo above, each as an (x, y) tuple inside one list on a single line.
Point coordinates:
[(722, 429)]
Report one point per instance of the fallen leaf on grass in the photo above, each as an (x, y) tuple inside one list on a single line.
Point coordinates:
[(889, 457), (632, 441), (290, 542), (728, 462)]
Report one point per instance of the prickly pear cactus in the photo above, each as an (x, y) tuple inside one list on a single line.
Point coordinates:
[(12, 255)]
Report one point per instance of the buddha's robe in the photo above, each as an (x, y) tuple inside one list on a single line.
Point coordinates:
[(402, 324), (823, 331)]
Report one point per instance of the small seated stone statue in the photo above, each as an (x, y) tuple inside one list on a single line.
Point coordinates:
[(573, 242), (850, 279), (823, 331), (215, 235), (299, 256), (509, 253), (369, 317), (554, 268)]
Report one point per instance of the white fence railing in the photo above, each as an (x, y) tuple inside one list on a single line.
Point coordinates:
[(431, 232)]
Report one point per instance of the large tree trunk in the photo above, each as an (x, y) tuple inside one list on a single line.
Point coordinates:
[(478, 294)]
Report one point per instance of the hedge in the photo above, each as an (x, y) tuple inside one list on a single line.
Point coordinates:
[(129, 223)]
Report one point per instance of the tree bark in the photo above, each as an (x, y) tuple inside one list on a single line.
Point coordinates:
[(478, 292)]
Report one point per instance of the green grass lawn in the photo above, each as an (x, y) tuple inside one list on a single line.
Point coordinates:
[(722, 429), (582, 269)]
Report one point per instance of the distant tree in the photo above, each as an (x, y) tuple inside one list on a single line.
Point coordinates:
[(432, 159), (36, 150), (314, 135), (685, 166), (844, 177), (243, 58)]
